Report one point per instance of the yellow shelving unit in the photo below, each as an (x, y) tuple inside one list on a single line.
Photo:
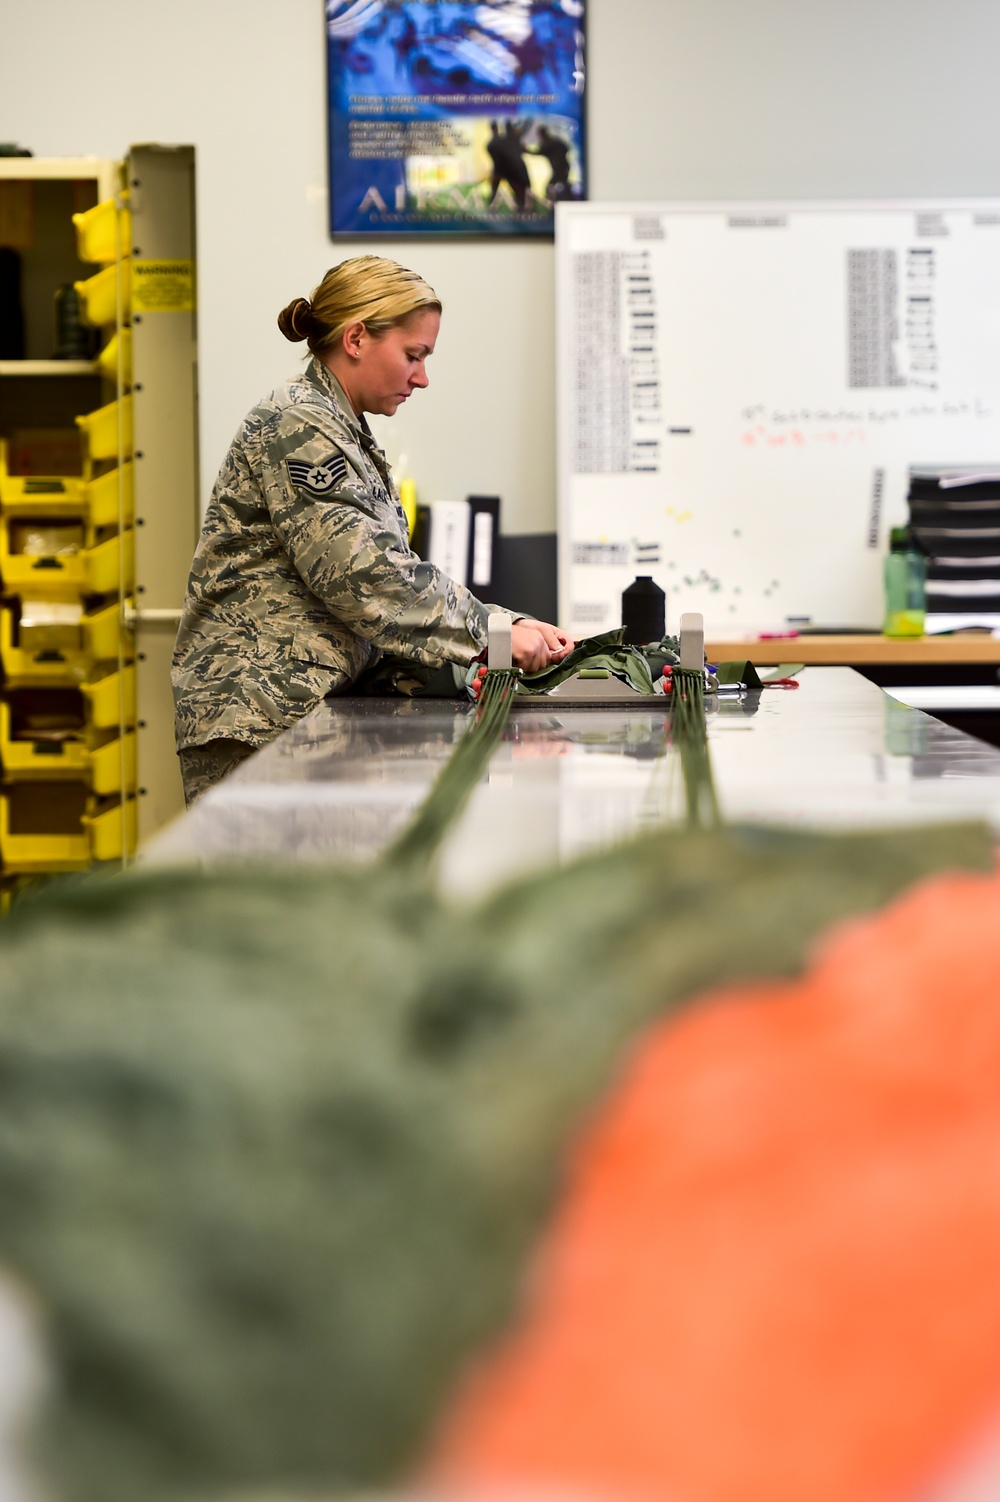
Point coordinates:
[(98, 505)]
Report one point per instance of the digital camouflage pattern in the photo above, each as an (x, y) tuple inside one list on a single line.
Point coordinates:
[(304, 574), (202, 767)]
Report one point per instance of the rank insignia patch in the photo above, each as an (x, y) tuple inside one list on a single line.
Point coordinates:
[(318, 479)]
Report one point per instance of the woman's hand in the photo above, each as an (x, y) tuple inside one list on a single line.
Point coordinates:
[(535, 645)]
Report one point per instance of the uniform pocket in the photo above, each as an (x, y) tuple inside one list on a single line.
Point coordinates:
[(345, 654), (310, 646)]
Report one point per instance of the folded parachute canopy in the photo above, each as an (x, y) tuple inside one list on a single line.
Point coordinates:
[(774, 1273)]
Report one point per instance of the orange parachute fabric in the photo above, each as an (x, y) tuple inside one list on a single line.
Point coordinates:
[(774, 1275)]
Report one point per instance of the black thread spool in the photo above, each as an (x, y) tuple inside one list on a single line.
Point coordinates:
[(644, 612)]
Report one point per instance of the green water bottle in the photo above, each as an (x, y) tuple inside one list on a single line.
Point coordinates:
[(905, 585)]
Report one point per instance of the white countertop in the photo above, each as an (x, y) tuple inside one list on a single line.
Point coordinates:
[(966, 697), (837, 751)]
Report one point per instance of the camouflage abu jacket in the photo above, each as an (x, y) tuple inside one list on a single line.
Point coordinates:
[(304, 573)]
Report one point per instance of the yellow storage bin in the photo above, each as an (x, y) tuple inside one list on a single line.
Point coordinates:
[(46, 558), (56, 493), (114, 832), (109, 698), (104, 232), (61, 665), (43, 556), (103, 571), (37, 667), (42, 827), (102, 634), (106, 766), (100, 429), (100, 496), (107, 360), (99, 294), (68, 495), (43, 757)]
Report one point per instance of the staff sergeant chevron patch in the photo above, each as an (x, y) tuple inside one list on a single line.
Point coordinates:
[(318, 479)]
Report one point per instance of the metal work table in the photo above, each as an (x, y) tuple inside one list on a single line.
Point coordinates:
[(837, 751), (951, 676)]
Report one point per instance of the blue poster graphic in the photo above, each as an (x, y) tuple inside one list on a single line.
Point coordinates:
[(454, 115)]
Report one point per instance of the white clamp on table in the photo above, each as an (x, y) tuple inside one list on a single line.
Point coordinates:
[(693, 641), (499, 652)]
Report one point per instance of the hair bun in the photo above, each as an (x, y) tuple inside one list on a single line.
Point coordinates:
[(297, 321)]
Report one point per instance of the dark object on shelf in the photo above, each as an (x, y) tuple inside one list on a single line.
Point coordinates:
[(11, 308), (11, 148), (73, 337), (644, 611), (524, 574)]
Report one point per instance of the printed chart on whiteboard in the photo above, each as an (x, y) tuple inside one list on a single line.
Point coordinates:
[(744, 389)]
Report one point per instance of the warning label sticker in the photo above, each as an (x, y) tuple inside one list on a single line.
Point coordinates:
[(162, 286)]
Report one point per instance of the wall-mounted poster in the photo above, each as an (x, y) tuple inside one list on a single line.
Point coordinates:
[(454, 115)]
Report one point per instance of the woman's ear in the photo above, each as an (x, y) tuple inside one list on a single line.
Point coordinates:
[(352, 338)]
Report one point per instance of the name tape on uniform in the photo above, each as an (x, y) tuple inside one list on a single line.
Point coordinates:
[(162, 286)]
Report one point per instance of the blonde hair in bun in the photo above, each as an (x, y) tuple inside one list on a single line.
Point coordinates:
[(296, 321), (368, 289)]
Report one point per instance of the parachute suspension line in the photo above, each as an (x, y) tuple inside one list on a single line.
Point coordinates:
[(421, 838), (689, 735)]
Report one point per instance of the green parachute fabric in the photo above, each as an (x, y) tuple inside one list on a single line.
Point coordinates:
[(638, 666), (275, 1145)]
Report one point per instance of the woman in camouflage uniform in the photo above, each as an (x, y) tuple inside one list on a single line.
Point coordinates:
[(304, 572)]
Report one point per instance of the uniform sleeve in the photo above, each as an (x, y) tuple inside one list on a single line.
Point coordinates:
[(349, 544)]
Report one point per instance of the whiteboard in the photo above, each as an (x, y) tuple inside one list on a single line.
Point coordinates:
[(742, 389)]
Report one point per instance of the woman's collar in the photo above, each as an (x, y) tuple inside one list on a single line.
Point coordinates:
[(326, 378)]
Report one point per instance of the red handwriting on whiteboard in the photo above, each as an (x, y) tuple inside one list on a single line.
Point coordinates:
[(763, 437)]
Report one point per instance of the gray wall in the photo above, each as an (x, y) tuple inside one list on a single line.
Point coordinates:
[(688, 99)]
